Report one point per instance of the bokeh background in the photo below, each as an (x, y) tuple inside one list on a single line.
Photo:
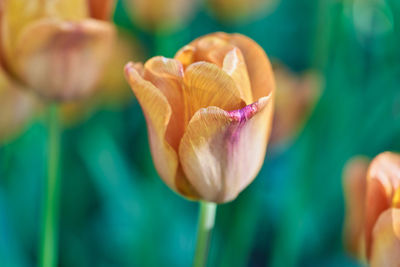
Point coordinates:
[(115, 211)]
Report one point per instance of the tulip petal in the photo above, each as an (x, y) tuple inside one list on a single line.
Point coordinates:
[(157, 112), (382, 182), (67, 9), (258, 65), (17, 108), (396, 199), (354, 183), (63, 60), (214, 47), (101, 9), (386, 240), (205, 85), (221, 152), (185, 55), (167, 75), (208, 48), (235, 66)]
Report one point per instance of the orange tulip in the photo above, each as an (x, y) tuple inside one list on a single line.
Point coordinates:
[(112, 90), (383, 180), (160, 15), (17, 108), (296, 96), (55, 47), (239, 10), (379, 212), (386, 240), (209, 113)]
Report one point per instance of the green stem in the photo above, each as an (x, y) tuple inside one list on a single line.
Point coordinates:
[(205, 226), (49, 238)]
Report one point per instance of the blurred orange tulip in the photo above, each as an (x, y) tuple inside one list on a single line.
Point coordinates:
[(209, 112), (112, 90), (383, 180), (386, 240), (380, 208), (17, 108), (238, 10), (296, 96), (161, 15), (55, 47)]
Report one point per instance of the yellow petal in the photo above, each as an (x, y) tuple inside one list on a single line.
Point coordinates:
[(354, 185), (101, 9), (386, 240), (222, 152), (396, 199), (185, 55), (67, 9), (235, 66), (258, 65), (19, 13), (158, 113), (205, 85), (167, 75), (63, 60), (382, 182)]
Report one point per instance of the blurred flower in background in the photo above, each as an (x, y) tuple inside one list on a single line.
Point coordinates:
[(354, 187), (161, 15), (208, 143), (373, 202), (235, 11), (17, 108), (112, 90), (55, 47), (296, 97)]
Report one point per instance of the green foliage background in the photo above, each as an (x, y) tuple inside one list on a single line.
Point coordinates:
[(115, 211)]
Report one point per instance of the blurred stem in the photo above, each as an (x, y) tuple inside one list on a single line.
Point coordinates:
[(205, 226), (49, 238)]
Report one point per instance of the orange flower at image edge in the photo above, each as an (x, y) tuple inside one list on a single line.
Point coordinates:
[(372, 228), (209, 112), (56, 48)]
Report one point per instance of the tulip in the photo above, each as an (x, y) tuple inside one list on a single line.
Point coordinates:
[(383, 181), (17, 108), (208, 112), (296, 97), (55, 47), (240, 10), (160, 15), (386, 236), (375, 221), (112, 90)]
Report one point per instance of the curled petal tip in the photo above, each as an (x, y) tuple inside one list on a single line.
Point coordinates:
[(249, 111)]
